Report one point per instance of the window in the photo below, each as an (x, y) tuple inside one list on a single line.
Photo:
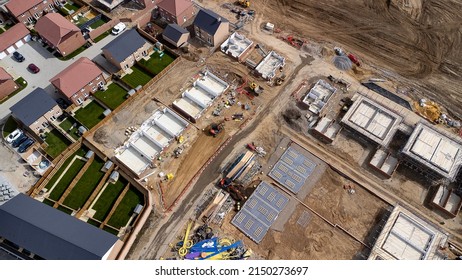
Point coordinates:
[(30, 19), (98, 78), (90, 83), (79, 101), (82, 90), (93, 89), (209, 40), (36, 15), (126, 66), (85, 95), (100, 84), (36, 7), (51, 6)]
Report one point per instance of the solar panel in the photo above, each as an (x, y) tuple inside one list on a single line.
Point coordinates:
[(292, 170), (259, 212)]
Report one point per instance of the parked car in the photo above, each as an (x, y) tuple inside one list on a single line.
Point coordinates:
[(19, 140), (32, 67), (62, 103), (13, 135), (25, 145), (18, 57), (119, 27)]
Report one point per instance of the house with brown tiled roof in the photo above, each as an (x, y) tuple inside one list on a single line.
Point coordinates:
[(7, 84), (28, 11), (79, 80), (176, 11), (13, 38), (59, 33)]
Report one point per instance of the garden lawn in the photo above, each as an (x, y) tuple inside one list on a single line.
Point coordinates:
[(94, 223), (125, 208), (97, 24), (113, 96), (67, 178), (101, 37), (85, 186), (156, 63), (108, 197), (64, 209), (66, 124), (138, 77), (111, 230), (71, 7), (9, 126), (57, 143), (91, 115), (48, 202)]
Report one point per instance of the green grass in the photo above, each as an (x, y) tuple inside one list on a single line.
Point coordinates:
[(111, 230), (101, 37), (91, 115), (48, 202), (2, 30), (64, 209), (125, 208), (108, 198), (72, 54), (67, 123), (113, 96), (94, 223), (156, 63), (8, 26), (97, 24), (138, 77), (9, 126), (57, 143), (22, 85), (73, 170), (87, 183), (71, 7)]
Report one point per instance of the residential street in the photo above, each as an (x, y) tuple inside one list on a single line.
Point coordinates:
[(49, 67)]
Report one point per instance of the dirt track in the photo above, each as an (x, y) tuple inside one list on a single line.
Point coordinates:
[(419, 45)]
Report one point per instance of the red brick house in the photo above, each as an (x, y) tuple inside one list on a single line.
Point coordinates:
[(28, 11), (13, 38), (79, 80), (59, 33), (7, 84), (176, 11)]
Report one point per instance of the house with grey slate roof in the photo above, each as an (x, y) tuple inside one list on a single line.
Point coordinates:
[(126, 49), (30, 229), (36, 110), (210, 27), (175, 35)]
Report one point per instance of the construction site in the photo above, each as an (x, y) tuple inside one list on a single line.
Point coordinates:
[(326, 150), (316, 130)]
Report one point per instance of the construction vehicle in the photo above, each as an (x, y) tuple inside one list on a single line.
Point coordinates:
[(256, 88), (215, 128), (280, 79), (187, 243), (354, 59), (177, 152), (244, 3)]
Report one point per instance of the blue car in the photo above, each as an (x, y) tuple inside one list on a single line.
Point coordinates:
[(19, 140), (25, 145)]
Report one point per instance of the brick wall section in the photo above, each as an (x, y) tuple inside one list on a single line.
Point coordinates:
[(87, 90), (46, 118), (103, 28), (31, 13)]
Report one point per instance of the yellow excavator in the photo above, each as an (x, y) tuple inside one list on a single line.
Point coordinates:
[(244, 3)]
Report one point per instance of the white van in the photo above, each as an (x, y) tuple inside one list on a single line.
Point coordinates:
[(119, 27)]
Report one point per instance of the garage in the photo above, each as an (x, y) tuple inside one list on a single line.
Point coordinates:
[(13, 38), (19, 43)]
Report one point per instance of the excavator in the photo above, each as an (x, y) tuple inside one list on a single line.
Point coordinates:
[(244, 3), (215, 128), (256, 88)]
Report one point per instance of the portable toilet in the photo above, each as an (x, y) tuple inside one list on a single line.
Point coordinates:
[(138, 209), (107, 112), (89, 154), (130, 92)]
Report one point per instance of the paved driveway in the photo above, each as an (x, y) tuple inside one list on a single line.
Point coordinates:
[(49, 67)]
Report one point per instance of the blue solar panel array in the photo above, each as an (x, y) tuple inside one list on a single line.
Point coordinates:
[(260, 211), (292, 170)]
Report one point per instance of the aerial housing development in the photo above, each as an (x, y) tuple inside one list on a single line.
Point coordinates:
[(247, 130)]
